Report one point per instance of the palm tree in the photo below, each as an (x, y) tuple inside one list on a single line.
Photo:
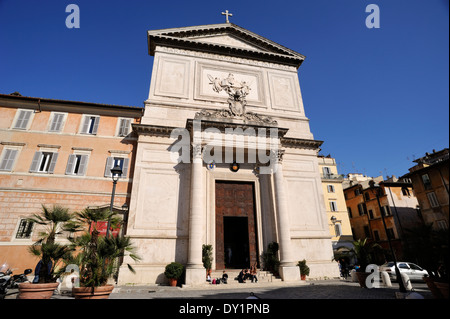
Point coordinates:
[(98, 257), (364, 252), (55, 222)]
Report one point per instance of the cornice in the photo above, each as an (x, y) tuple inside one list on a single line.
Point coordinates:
[(44, 104), (153, 130), (300, 143), (289, 142), (185, 38)]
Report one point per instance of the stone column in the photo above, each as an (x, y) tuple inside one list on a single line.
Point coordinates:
[(195, 272), (288, 269)]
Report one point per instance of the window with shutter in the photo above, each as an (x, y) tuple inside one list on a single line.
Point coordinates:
[(9, 156), (81, 171), (433, 199), (111, 162), (124, 127), (90, 124), (108, 166), (125, 167), (23, 119), (25, 229), (333, 206), (376, 235), (57, 122), (362, 209), (44, 162), (76, 164), (426, 181), (326, 172)]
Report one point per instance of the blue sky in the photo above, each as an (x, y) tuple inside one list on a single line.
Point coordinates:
[(378, 98)]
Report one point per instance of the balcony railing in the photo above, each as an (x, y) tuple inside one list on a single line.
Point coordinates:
[(332, 176)]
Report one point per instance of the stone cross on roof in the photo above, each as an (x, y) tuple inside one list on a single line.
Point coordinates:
[(226, 14)]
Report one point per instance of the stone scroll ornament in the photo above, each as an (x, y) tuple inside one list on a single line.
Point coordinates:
[(237, 92)]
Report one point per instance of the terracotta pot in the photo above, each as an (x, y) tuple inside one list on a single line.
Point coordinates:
[(432, 286), (101, 292), (362, 276), (172, 282), (36, 291), (443, 288), (303, 277)]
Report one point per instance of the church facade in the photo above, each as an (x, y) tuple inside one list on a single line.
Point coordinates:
[(225, 157)]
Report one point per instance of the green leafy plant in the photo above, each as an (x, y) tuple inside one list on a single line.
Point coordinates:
[(174, 270), (98, 257), (270, 258), (207, 257), (55, 221), (364, 252), (304, 269)]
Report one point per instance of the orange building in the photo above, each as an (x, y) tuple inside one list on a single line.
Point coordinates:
[(430, 179), (399, 208), (58, 152)]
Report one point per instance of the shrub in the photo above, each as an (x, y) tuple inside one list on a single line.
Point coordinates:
[(304, 269), (174, 270)]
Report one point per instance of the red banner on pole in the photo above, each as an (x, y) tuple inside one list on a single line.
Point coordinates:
[(102, 226)]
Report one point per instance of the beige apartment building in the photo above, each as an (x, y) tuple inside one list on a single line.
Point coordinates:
[(337, 216), (58, 152)]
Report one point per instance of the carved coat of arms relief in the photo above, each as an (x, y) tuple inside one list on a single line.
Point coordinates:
[(237, 92)]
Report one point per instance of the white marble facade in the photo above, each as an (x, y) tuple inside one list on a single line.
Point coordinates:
[(172, 208)]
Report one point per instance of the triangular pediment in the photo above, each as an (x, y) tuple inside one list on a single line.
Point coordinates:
[(228, 40), (224, 38)]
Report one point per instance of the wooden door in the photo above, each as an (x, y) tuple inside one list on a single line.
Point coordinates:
[(236, 230)]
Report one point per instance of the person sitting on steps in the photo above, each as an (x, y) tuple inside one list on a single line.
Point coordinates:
[(224, 277), (253, 273), (247, 274), (241, 277)]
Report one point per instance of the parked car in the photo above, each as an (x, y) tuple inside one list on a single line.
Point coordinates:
[(413, 271)]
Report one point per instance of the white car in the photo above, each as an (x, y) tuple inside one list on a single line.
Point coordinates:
[(413, 271)]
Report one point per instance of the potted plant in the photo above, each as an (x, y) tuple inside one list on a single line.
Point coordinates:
[(49, 252), (207, 258), (98, 257), (173, 272), (270, 258), (364, 254), (304, 269)]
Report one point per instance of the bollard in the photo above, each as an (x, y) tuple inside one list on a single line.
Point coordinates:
[(406, 281), (353, 275), (385, 279)]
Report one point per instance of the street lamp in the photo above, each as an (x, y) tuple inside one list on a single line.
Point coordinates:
[(333, 219), (116, 172), (377, 191)]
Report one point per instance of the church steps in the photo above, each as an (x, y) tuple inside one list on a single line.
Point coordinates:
[(262, 275)]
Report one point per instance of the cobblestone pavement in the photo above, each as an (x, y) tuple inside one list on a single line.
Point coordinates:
[(325, 289), (315, 289), (277, 300)]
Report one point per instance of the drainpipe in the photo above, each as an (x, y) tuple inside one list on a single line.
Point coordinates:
[(39, 106)]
